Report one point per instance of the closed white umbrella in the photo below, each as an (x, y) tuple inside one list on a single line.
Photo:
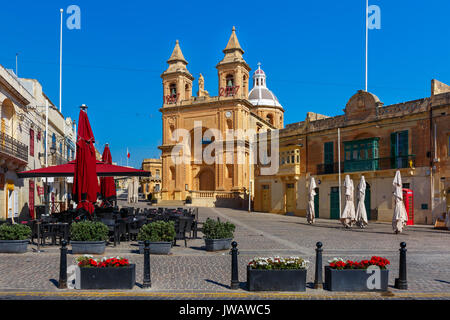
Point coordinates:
[(310, 214), (130, 190), (136, 189), (361, 214), (348, 216), (400, 217)]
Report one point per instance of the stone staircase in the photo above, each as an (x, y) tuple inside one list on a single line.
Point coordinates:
[(171, 203)]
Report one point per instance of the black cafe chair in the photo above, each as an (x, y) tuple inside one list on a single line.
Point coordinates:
[(113, 228), (182, 226)]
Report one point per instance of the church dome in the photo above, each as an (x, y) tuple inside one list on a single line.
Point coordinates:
[(260, 95)]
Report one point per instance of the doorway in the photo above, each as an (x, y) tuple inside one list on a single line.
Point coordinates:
[(316, 203), (291, 199), (207, 180), (334, 203), (265, 205)]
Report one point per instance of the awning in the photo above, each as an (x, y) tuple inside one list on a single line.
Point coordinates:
[(67, 170)]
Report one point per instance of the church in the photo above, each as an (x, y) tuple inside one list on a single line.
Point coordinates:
[(237, 107)]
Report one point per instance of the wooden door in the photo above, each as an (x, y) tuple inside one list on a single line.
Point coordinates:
[(334, 203), (265, 205), (291, 199)]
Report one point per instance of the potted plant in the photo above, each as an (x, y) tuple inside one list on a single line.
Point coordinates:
[(277, 274), (365, 275), (188, 200), (88, 237), (160, 234), (14, 238), (105, 273), (217, 234)]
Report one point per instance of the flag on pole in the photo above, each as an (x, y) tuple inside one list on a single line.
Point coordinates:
[(128, 154)]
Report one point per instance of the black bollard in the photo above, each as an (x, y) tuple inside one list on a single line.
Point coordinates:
[(318, 283), (147, 283), (234, 266), (62, 284), (401, 282)]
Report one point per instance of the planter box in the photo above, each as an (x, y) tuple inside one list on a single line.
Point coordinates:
[(217, 244), (92, 247), (156, 247), (105, 278), (353, 280), (14, 246), (276, 280)]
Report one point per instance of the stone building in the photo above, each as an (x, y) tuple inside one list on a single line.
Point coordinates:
[(220, 183), (22, 145), (151, 184), (375, 141)]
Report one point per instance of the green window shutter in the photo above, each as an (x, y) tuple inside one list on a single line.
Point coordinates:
[(403, 143), (328, 152), (393, 149)]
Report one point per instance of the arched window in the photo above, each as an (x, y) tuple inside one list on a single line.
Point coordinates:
[(172, 93), (269, 118), (229, 85), (229, 124)]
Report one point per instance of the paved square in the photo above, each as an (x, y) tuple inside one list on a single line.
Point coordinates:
[(192, 273)]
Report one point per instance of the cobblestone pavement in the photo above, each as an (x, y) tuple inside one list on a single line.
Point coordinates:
[(192, 273)]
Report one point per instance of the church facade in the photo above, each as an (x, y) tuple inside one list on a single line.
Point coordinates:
[(236, 108)]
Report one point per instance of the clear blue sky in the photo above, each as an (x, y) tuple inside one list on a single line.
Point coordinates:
[(311, 51)]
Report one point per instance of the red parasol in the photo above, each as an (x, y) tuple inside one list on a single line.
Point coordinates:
[(67, 170), (107, 185), (85, 183)]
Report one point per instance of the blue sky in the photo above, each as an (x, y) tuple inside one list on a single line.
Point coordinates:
[(312, 53)]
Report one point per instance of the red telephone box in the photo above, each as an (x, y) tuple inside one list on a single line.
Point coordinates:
[(408, 200)]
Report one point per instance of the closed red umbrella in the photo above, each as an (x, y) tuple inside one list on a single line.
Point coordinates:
[(107, 185), (85, 183)]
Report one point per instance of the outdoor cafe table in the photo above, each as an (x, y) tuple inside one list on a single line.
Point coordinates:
[(57, 227)]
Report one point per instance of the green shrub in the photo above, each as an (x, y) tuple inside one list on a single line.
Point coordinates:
[(213, 229), (14, 232), (157, 231), (88, 231)]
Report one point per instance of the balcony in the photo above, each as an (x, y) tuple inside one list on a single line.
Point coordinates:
[(368, 165), (289, 169), (13, 148), (56, 160)]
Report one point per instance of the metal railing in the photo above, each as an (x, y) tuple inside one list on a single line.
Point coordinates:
[(56, 160), (13, 147), (368, 165)]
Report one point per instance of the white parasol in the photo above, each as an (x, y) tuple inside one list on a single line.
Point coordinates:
[(400, 217), (310, 214), (348, 216), (130, 190), (361, 214), (136, 189)]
